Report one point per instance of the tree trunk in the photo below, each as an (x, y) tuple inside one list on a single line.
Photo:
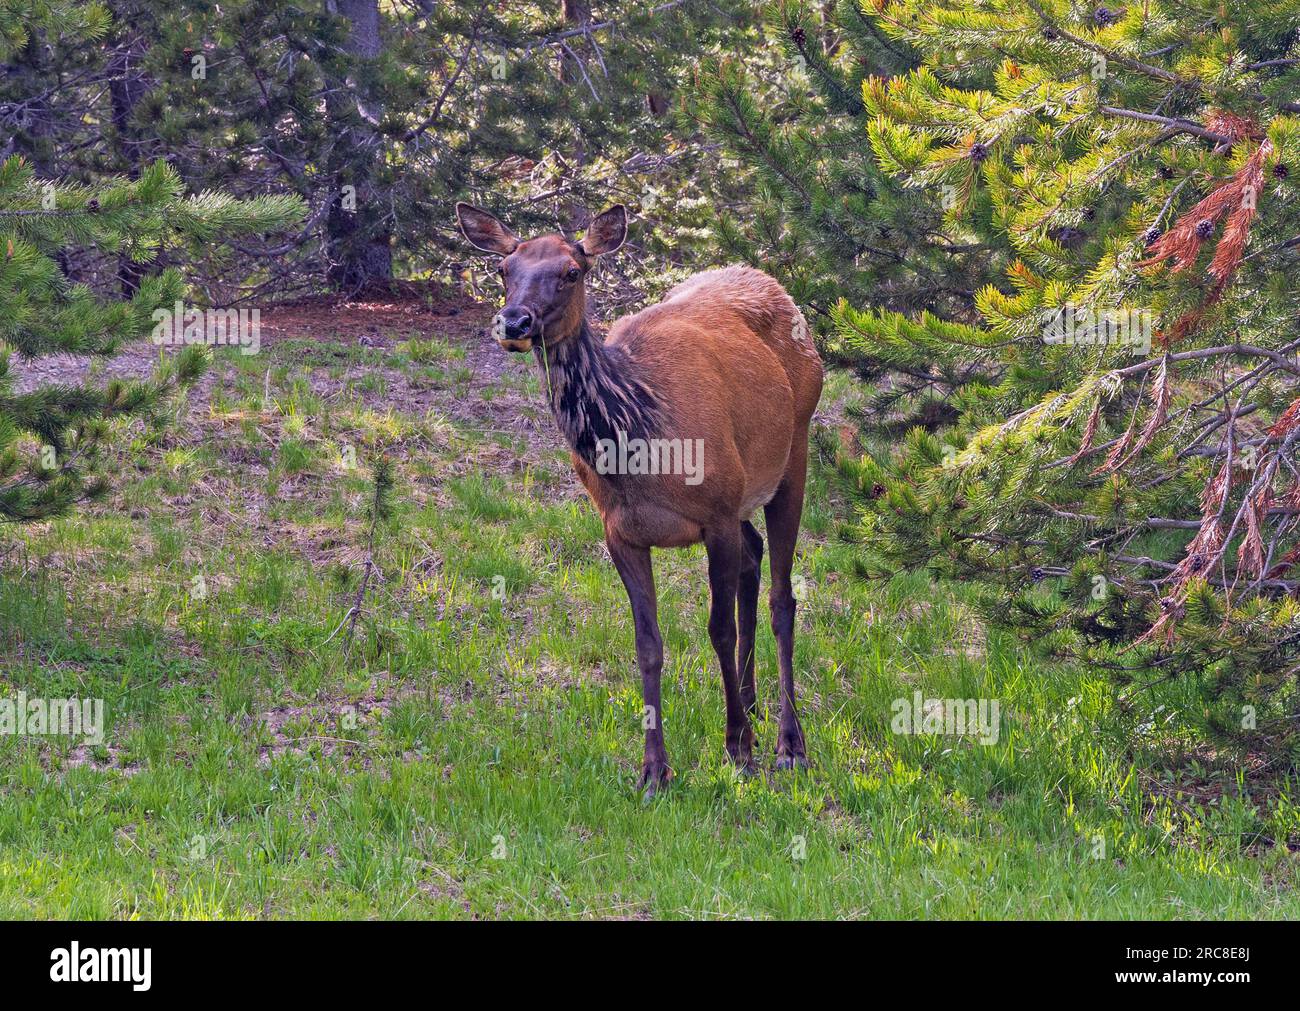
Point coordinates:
[(359, 240), (126, 88)]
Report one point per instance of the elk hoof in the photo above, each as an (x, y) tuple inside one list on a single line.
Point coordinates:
[(743, 762), (740, 749), (790, 752), (654, 777)]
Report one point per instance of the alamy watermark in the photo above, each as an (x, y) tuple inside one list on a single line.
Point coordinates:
[(241, 327), (979, 718), (40, 717), (651, 456), (1087, 327), (75, 964)]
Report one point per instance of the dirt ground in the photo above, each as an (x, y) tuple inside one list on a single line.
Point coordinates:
[(379, 322)]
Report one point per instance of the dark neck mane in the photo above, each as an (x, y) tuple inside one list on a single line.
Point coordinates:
[(597, 392)]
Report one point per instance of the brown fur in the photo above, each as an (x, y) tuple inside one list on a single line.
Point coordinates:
[(724, 359), (726, 364)]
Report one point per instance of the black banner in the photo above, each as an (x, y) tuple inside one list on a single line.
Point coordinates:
[(145, 961)]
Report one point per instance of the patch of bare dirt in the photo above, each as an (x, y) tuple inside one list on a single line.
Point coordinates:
[(378, 322), (297, 729), (84, 756)]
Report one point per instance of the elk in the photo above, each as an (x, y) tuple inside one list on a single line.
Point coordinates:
[(724, 363)]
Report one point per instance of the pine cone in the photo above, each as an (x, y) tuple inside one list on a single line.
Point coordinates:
[(799, 36), (978, 152), (1150, 236), (92, 205), (1280, 171), (1204, 228), (1104, 16)]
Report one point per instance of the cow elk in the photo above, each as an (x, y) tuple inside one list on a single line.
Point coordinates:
[(691, 415)]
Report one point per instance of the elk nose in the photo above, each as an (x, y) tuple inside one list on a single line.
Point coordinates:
[(516, 322)]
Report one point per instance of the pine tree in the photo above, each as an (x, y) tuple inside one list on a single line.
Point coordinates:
[(51, 436), (814, 206), (382, 116), (1121, 474), (555, 112)]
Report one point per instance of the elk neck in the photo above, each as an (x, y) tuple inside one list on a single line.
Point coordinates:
[(597, 392)]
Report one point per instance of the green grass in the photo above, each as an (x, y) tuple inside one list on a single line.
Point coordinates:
[(475, 751)]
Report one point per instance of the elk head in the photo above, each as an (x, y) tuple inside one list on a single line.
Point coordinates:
[(544, 278)]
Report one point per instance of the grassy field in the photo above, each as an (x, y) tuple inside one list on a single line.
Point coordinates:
[(474, 752)]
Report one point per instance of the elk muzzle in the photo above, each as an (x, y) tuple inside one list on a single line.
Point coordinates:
[(514, 327)]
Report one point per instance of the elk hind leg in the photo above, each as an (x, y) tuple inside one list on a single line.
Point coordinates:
[(724, 547), (783, 514), (751, 565)]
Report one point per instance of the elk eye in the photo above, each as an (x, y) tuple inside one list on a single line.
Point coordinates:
[(573, 274)]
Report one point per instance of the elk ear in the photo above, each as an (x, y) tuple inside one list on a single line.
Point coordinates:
[(608, 231), (484, 231)]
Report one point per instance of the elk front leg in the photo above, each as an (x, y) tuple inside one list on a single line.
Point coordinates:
[(724, 548), (637, 572)]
